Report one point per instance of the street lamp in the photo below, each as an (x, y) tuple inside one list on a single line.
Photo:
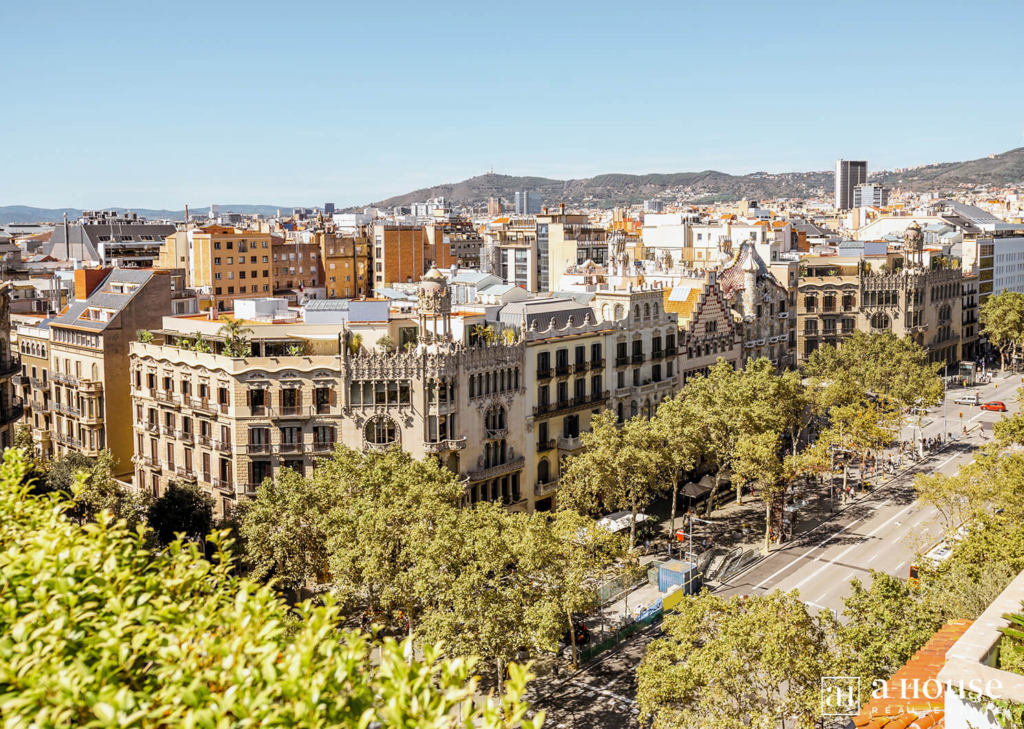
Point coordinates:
[(690, 539)]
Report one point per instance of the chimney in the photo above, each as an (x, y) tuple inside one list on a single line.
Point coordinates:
[(88, 280), (561, 208)]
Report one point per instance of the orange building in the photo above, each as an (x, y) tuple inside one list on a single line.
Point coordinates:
[(296, 264), (230, 264), (345, 263), (402, 253)]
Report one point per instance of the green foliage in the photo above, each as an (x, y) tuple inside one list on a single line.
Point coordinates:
[(201, 345), (355, 343), (236, 337), (98, 491), (184, 508), (23, 439), (144, 335), (1002, 321), (97, 631), (386, 343), (483, 334), (619, 468), (885, 626), (736, 662)]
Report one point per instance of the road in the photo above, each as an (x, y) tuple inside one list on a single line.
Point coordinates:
[(879, 531)]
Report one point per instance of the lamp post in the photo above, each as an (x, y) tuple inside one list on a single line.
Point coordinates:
[(690, 540)]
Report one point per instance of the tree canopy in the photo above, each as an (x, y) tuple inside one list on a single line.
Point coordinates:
[(98, 630), (1002, 321)]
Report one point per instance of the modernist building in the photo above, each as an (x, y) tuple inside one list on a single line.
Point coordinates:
[(887, 290), (708, 329), (11, 408), (430, 387), (33, 384)]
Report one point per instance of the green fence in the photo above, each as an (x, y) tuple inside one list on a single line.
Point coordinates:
[(617, 636)]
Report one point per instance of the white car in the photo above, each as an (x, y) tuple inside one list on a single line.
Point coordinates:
[(968, 399)]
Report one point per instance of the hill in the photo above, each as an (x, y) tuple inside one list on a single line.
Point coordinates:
[(710, 185)]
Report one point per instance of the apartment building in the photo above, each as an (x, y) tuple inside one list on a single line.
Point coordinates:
[(89, 344), (403, 253), (11, 404), (970, 323), (108, 238), (346, 263), (456, 234), (567, 238), (511, 251), (296, 264), (887, 290), (227, 264), (33, 384), (708, 328), (848, 174)]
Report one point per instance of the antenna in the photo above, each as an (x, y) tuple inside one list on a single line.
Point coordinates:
[(67, 240)]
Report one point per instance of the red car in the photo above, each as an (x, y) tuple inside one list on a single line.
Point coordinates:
[(994, 405)]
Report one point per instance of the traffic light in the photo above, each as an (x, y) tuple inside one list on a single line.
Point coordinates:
[(961, 414)]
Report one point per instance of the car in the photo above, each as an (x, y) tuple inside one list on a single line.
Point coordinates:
[(995, 405), (969, 399)]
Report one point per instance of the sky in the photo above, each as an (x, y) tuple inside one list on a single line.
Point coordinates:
[(155, 105)]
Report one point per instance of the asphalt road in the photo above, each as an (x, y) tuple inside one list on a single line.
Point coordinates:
[(881, 530)]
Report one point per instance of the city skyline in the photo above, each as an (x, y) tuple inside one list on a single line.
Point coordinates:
[(133, 106)]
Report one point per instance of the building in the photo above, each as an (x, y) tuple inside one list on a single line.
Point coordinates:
[(970, 326), (11, 403), (371, 377), (707, 328), (494, 207), (33, 384), (873, 289), (108, 238), (402, 253), (870, 195), (527, 203), (228, 263), (848, 175), (89, 344), (345, 263), (654, 206), (456, 235), (296, 266), (762, 307), (512, 251), (564, 239)]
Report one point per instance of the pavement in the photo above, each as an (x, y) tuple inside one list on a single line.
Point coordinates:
[(880, 529)]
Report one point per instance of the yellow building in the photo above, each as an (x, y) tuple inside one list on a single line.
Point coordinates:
[(345, 262), (230, 264)]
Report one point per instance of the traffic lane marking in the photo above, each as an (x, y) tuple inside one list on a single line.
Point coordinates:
[(805, 554)]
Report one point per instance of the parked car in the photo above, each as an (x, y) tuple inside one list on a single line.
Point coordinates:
[(995, 405), (970, 398)]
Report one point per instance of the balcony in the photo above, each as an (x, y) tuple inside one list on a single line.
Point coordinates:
[(12, 412), (501, 469), (545, 445), (544, 374), (205, 440), (289, 447), (165, 396), (657, 354), (186, 472), (203, 404), (542, 490), (621, 361), (185, 436), (40, 407), (541, 409), (783, 314), (66, 409), (10, 366), (581, 367), (222, 485), (259, 411), (167, 430), (597, 364), (570, 444), (442, 446), (150, 427), (65, 379), (19, 380), (204, 477), (599, 396), (289, 411), (147, 461), (222, 446), (322, 446), (638, 358), (39, 384), (496, 433), (563, 370), (252, 448)]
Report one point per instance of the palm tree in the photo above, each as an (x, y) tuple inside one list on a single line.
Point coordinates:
[(484, 333), (355, 343), (236, 337)]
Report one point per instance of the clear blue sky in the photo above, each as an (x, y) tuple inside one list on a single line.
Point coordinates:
[(146, 104)]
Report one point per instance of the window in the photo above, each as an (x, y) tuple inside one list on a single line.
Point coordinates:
[(381, 430)]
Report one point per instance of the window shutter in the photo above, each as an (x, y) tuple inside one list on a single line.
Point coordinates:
[(298, 397), (333, 438), (248, 398), (280, 398), (331, 397)]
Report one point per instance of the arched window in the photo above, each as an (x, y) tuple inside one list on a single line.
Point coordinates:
[(647, 409), (636, 311), (880, 321), (654, 310), (647, 311), (495, 418), (381, 430), (619, 312), (543, 471), (607, 312), (95, 372), (621, 413), (945, 314), (634, 409)]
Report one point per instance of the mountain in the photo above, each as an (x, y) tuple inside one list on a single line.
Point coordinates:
[(26, 214), (708, 186)]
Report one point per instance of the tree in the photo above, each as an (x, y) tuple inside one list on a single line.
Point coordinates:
[(386, 343), (23, 439), (736, 662), (144, 335), (99, 491), (287, 526), (757, 460), (884, 627), (484, 333), (861, 427), (355, 343), (1002, 321), (236, 337), (619, 468), (184, 508), (170, 639), (729, 405), (680, 431)]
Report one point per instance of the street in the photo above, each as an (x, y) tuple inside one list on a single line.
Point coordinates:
[(881, 530)]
